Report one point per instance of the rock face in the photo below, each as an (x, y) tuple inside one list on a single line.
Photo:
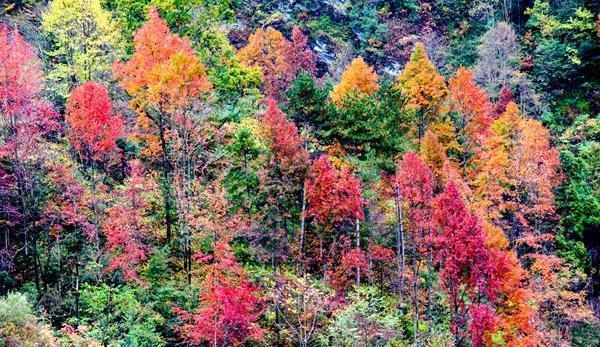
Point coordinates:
[(324, 50), (338, 6)]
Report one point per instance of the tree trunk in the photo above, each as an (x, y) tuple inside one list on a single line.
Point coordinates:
[(416, 297), (400, 242), (300, 259), (166, 167)]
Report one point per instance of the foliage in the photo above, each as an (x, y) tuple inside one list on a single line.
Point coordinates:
[(19, 326), (83, 43), (115, 316), (358, 79), (288, 173), (370, 319), (93, 129), (334, 195), (425, 88)]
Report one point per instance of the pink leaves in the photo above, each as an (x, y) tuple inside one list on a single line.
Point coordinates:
[(126, 228)]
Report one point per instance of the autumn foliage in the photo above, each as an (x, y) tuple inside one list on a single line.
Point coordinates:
[(299, 173), (164, 73), (334, 195), (358, 79), (93, 128), (279, 59)]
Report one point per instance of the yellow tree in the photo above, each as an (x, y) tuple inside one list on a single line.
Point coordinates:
[(359, 78), (425, 88), (83, 43)]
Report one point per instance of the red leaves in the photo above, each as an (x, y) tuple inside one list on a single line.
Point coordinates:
[(93, 127), (352, 262), (227, 317), (461, 253), (334, 196), (125, 227), (284, 140), (229, 305)]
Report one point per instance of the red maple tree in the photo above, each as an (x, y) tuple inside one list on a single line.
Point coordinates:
[(93, 128)]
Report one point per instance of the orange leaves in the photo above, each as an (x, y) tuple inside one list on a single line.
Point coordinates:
[(93, 129), (359, 78), (473, 116), (472, 102), (520, 168), (164, 73), (279, 59), (424, 86)]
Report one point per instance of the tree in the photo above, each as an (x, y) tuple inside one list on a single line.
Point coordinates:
[(93, 128), (367, 124), (268, 49), (302, 306), (414, 190), (358, 79), (284, 178), (499, 56), (127, 227), (518, 175), (425, 88), (472, 118), (163, 77), (286, 144), (83, 43), (300, 56), (334, 198), (465, 262), (18, 324), (229, 305), (25, 119), (279, 59), (71, 231)]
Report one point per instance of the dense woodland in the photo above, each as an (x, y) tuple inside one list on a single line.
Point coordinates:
[(299, 173)]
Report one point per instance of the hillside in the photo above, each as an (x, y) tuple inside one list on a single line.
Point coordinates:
[(299, 173)]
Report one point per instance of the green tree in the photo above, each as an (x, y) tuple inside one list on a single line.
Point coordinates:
[(117, 318), (579, 196)]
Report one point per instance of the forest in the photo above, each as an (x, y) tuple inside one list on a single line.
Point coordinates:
[(299, 173)]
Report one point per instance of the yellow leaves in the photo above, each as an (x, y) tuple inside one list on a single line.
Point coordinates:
[(422, 83), (359, 78), (177, 80), (85, 42)]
